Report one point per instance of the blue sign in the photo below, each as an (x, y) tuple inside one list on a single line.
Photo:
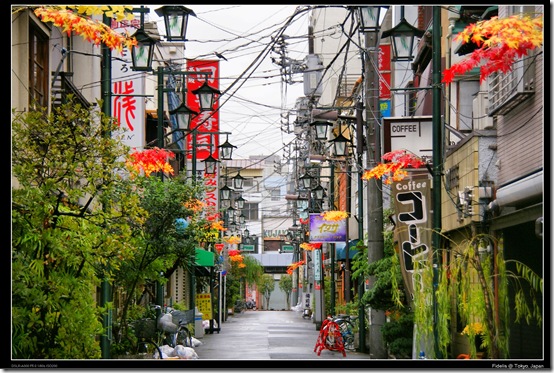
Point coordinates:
[(385, 108)]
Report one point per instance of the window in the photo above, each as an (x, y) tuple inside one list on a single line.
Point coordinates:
[(275, 194), (250, 211), (506, 91), (38, 67), (452, 178)]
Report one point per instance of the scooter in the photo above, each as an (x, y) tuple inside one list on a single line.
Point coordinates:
[(307, 313)]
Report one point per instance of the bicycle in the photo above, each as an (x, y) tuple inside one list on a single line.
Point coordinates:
[(183, 335), (169, 328), (346, 326), (146, 333)]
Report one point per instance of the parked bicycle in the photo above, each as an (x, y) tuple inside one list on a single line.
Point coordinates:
[(175, 326), (347, 325), (170, 328)]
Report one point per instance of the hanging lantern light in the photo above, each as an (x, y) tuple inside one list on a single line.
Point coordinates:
[(184, 116), (226, 149), (340, 147), (320, 128), (370, 18), (317, 192), (306, 180), (211, 164), (240, 202), (175, 20), (143, 52), (238, 181), (225, 193), (402, 39), (207, 96)]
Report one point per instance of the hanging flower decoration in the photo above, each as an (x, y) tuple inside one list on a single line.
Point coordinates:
[(150, 160), (242, 265), (233, 252), (334, 215), (304, 221), (232, 240), (218, 225), (195, 205), (293, 266), (393, 168), (91, 30), (236, 258), (310, 246)]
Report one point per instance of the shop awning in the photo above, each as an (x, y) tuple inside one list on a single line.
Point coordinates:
[(204, 258), (340, 250)]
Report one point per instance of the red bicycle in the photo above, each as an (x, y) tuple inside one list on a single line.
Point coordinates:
[(330, 338)]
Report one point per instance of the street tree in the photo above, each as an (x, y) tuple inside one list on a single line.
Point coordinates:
[(285, 284), (71, 213), (266, 286)]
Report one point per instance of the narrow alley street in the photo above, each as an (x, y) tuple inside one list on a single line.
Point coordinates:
[(267, 335)]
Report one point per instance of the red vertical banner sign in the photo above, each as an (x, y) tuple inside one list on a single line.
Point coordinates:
[(206, 124), (384, 71), (205, 129)]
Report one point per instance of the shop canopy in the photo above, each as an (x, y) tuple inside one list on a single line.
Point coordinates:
[(204, 258)]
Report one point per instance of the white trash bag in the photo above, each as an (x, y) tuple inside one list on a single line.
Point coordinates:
[(196, 342), (167, 351), (186, 353)]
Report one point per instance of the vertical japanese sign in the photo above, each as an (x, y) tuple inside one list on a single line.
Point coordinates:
[(326, 231), (207, 122), (204, 304), (318, 261), (205, 128), (411, 203), (127, 108), (384, 71)]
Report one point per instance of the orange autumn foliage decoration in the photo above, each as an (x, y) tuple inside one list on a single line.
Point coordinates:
[(500, 42), (150, 160), (334, 215), (91, 30), (310, 246), (393, 168), (293, 266)]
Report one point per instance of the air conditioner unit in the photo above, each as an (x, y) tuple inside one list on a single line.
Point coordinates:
[(481, 119)]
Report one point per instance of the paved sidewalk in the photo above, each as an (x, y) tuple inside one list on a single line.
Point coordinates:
[(267, 335)]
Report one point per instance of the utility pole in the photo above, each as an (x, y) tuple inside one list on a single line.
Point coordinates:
[(437, 164), (359, 165), (105, 286), (375, 245)]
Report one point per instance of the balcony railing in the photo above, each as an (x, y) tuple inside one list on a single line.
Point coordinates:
[(506, 91)]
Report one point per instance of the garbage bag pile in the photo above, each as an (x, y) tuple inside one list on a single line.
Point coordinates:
[(179, 352)]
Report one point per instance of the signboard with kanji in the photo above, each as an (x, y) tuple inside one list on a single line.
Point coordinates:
[(126, 86), (326, 231), (204, 305)]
